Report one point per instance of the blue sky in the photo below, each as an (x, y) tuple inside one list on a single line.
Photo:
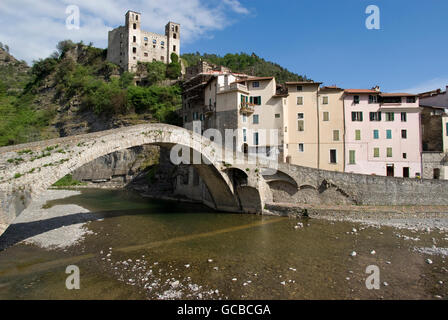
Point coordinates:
[(326, 40)]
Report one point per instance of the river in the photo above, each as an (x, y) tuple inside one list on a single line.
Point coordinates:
[(138, 248)]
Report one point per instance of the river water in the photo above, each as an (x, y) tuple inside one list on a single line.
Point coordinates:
[(150, 249)]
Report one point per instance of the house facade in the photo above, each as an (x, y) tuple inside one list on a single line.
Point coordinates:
[(382, 133)]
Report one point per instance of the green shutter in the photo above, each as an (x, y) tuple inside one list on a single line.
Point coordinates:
[(389, 152), (376, 152), (358, 135), (352, 157)]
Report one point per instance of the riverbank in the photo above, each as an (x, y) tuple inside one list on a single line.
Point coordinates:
[(419, 218), (57, 227)]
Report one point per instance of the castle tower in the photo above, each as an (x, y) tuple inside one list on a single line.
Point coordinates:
[(172, 32), (133, 23)]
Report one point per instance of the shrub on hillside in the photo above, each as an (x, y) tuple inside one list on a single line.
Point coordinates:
[(174, 69)]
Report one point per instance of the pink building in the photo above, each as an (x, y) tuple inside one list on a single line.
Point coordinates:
[(382, 133)]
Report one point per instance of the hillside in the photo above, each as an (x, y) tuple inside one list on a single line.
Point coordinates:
[(75, 91), (244, 63)]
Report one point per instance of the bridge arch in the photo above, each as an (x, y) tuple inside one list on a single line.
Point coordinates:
[(27, 170)]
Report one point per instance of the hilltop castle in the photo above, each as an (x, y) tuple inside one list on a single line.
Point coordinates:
[(129, 44)]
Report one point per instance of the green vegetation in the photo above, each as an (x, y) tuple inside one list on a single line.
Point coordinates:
[(244, 63), (68, 181)]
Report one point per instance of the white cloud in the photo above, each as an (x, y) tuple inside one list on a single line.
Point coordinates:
[(429, 85), (33, 28)]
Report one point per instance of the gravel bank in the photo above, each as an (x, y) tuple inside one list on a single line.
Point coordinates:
[(57, 227), (418, 218)]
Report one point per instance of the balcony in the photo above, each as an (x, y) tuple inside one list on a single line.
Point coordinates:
[(247, 108), (233, 87), (209, 111)]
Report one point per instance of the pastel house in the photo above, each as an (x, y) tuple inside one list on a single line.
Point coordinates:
[(382, 133)]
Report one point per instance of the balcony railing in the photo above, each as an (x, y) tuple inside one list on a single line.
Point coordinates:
[(247, 107), (233, 86)]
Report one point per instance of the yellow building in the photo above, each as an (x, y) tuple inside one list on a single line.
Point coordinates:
[(331, 129)]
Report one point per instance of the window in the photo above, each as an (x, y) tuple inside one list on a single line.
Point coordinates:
[(389, 152), (244, 118), (376, 134), (162, 43), (404, 134), (325, 100), (404, 117), (256, 119), (373, 99), (375, 116), (326, 116), (277, 115), (255, 100), (333, 158), (388, 134), (201, 117), (300, 122), (300, 101), (135, 26), (446, 125), (256, 138), (299, 88), (174, 36), (134, 50), (335, 135), (154, 41), (390, 116), (357, 116), (195, 116), (174, 48), (405, 155), (244, 135), (301, 147), (391, 100), (352, 157), (162, 58), (255, 84), (136, 17), (186, 119), (358, 135), (376, 152), (134, 39), (145, 38), (356, 99), (410, 100), (146, 54)]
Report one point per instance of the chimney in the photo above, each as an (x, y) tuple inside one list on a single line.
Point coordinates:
[(376, 88)]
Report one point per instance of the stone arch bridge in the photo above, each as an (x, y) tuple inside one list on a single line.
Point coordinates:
[(29, 169)]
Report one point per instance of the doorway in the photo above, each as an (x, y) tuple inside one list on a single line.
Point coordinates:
[(406, 172), (390, 170)]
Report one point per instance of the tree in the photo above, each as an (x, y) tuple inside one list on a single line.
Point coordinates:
[(156, 72), (64, 46), (174, 69)]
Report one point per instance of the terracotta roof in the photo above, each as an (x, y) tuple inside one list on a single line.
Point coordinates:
[(331, 88), (355, 91), (392, 94), (302, 83), (254, 79)]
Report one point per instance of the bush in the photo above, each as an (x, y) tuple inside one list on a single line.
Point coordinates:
[(156, 72), (68, 181), (174, 69)]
